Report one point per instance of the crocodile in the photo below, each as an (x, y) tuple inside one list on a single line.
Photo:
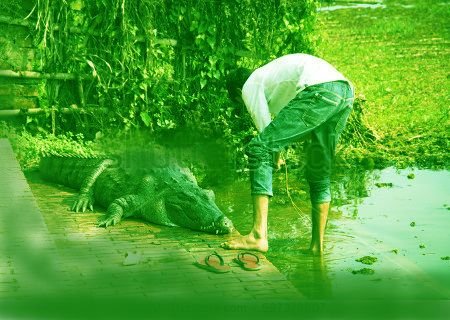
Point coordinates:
[(167, 195)]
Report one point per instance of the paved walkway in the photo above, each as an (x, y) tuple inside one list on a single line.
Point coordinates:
[(50, 256)]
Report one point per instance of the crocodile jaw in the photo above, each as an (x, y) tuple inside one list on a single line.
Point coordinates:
[(220, 226)]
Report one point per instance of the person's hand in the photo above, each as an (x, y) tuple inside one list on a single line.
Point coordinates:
[(279, 161)]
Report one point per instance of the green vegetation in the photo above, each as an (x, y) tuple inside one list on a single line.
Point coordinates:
[(158, 68), (161, 65), (30, 147), (397, 58)]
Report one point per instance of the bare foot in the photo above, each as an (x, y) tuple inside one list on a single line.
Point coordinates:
[(248, 242)]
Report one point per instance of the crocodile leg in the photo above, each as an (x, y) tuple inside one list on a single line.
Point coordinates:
[(121, 208), (85, 198)]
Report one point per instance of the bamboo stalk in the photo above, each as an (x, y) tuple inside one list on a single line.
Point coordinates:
[(75, 30), (53, 114), (34, 111), (38, 75), (81, 92), (17, 22)]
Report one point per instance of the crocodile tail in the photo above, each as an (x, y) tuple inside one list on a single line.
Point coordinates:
[(69, 171)]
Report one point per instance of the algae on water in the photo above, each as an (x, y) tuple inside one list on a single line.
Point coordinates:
[(367, 260), (365, 271)]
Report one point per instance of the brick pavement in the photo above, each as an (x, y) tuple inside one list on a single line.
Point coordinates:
[(48, 251)]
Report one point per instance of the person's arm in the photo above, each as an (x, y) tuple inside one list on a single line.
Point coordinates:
[(256, 103)]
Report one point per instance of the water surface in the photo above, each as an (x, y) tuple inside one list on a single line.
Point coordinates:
[(401, 218), (352, 5)]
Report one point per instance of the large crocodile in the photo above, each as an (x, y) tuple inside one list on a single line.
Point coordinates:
[(166, 195)]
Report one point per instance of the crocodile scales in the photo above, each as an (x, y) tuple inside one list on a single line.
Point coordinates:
[(166, 195)]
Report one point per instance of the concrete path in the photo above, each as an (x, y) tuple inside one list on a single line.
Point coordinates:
[(54, 258)]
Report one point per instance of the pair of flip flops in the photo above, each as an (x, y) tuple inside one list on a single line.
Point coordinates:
[(215, 263)]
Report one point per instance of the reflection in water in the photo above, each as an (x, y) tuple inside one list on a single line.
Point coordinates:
[(350, 186), (310, 276)]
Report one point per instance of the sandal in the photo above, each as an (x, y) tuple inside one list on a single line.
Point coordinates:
[(214, 265), (248, 261)]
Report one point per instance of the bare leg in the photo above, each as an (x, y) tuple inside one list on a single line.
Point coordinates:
[(257, 238), (319, 221)]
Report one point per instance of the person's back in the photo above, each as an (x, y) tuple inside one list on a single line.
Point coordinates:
[(271, 87)]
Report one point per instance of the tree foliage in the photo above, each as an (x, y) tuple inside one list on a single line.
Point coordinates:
[(161, 64)]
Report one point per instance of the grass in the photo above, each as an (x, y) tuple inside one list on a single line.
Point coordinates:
[(398, 58)]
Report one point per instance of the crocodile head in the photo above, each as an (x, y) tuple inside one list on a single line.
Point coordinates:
[(195, 209), (190, 206), (221, 226)]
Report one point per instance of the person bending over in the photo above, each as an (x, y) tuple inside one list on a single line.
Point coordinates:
[(292, 98)]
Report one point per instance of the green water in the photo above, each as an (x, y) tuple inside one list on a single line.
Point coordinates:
[(402, 218)]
